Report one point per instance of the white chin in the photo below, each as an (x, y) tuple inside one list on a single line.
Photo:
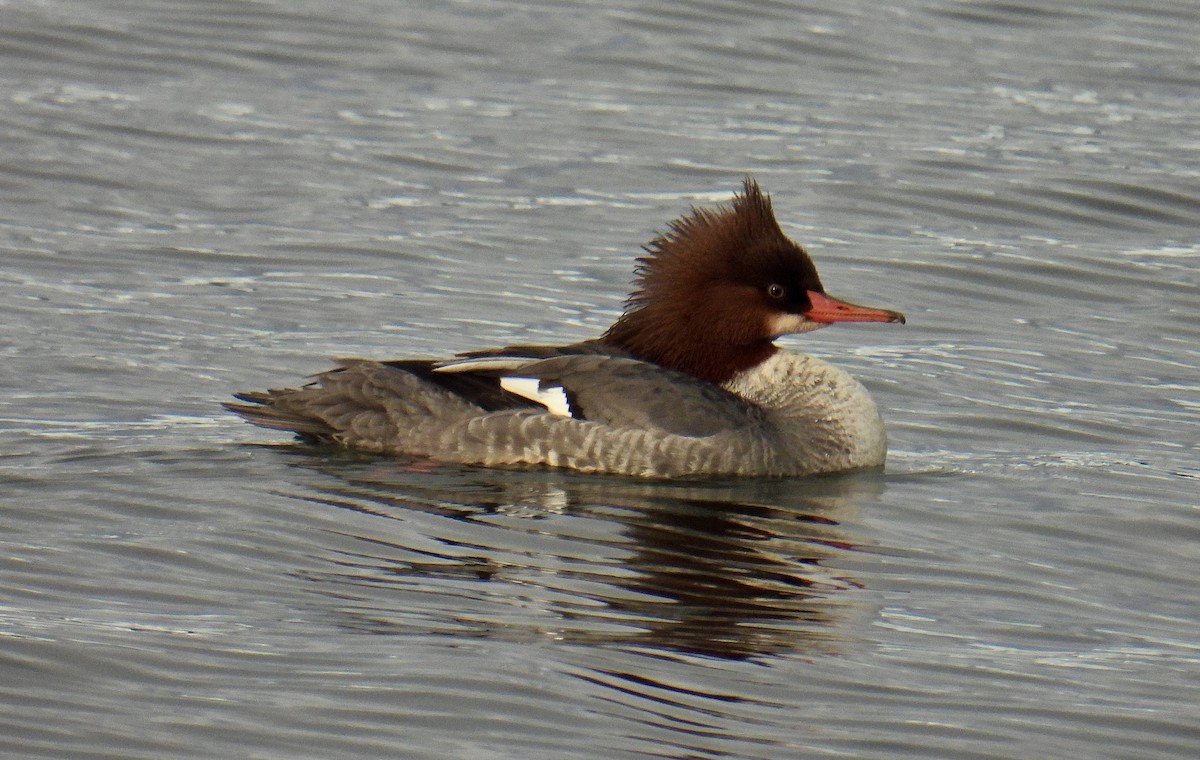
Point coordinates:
[(788, 324)]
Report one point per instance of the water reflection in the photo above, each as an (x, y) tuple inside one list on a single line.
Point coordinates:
[(730, 569)]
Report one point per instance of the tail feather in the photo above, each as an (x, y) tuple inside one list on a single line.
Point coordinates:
[(263, 409)]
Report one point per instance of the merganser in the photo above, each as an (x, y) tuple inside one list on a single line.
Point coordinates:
[(687, 382)]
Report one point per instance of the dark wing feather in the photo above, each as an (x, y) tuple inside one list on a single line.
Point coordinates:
[(479, 389)]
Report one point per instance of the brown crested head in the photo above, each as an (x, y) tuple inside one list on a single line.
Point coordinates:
[(719, 286)]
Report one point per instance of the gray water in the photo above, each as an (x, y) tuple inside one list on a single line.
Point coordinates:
[(204, 197)]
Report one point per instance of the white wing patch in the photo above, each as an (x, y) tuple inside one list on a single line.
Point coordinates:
[(553, 397)]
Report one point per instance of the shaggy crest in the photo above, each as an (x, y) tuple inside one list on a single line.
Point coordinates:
[(686, 313), (713, 243)]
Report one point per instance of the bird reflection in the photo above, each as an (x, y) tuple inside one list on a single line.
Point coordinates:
[(742, 579), (731, 569)]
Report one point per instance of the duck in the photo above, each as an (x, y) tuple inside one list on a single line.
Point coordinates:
[(687, 383)]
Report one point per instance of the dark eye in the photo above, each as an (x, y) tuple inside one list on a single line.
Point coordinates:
[(776, 291)]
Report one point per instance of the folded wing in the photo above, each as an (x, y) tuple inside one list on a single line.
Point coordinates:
[(619, 391)]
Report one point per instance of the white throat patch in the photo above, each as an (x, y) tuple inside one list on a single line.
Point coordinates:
[(788, 324)]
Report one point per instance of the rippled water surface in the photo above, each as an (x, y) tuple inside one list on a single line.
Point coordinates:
[(203, 197)]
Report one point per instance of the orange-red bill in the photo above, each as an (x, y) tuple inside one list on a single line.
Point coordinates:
[(827, 309)]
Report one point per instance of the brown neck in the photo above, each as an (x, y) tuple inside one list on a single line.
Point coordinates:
[(711, 352)]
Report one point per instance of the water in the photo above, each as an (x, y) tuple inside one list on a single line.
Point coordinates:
[(205, 197)]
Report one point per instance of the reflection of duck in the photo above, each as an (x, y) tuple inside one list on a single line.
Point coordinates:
[(731, 569), (740, 582), (687, 382)]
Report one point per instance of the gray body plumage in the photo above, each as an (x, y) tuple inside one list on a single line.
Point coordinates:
[(791, 415)]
